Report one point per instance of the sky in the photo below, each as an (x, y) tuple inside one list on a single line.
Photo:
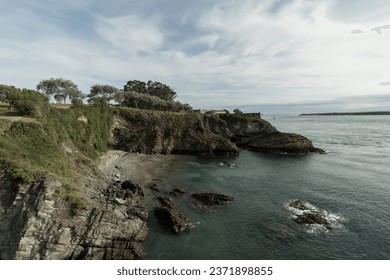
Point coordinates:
[(272, 56)]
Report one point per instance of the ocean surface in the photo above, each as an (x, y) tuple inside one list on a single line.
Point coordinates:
[(351, 183)]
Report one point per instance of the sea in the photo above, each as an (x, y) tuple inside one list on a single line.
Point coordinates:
[(350, 184)]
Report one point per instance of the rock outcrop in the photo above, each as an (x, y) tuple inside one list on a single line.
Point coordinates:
[(252, 132), (165, 133), (170, 217), (280, 143)]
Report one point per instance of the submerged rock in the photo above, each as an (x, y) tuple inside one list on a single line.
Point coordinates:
[(233, 165), (170, 217), (210, 200), (177, 192), (213, 199)]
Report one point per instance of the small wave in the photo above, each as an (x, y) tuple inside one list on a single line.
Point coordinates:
[(313, 219)]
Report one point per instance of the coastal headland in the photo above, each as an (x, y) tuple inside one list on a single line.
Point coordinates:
[(80, 182)]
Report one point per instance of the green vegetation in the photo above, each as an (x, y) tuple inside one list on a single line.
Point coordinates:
[(33, 149), (34, 145), (137, 100)]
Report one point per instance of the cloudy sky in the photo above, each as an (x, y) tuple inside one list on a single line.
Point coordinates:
[(263, 55)]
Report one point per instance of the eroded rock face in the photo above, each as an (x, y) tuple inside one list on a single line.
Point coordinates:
[(36, 223), (170, 217), (161, 133)]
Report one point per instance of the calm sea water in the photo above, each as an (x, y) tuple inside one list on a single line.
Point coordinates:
[(350, 182)]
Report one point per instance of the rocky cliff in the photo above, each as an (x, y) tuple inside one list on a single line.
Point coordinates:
[(165, 133)]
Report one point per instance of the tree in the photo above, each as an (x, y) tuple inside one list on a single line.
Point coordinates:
[(237, 111), (5, 91), (137, 86), (103, 92), (157, 89), (160, 90), (28, 102), (59, 88)]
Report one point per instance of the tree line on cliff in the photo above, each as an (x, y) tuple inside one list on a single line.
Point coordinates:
[(135, 94)]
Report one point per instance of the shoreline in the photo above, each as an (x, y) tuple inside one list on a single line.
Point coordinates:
[(139, 168)]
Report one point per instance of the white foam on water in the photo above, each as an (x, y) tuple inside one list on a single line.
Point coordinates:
[(335, 221)]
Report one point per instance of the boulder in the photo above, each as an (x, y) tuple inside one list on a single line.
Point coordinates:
[(132, 188)]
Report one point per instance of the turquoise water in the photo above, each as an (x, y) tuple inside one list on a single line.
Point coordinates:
[(350, 182)]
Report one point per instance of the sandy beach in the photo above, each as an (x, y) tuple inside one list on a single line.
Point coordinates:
[(139, 168)]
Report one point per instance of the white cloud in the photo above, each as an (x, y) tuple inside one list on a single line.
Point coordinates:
[(234, 53), (379, 29), (130, 34)]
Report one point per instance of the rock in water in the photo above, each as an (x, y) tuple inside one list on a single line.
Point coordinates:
[(212, 199), (312, 218), (282, 143), (170, 217)]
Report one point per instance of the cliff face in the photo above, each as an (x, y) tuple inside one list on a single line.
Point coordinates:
[(166, 133), (36, 223)]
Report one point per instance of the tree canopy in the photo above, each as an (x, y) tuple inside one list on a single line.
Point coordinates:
[(105, 93), (157, 89), (60, 89)]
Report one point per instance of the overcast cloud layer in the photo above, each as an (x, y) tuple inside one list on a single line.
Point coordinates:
[(270, 55)]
